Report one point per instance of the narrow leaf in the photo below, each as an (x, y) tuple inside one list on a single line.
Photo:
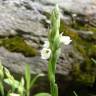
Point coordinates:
[(1, 89), (93, 60), (35, 78), (43, 94), (75, 93), (27, 76)]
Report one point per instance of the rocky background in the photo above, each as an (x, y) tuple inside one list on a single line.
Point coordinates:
[(23, 29)]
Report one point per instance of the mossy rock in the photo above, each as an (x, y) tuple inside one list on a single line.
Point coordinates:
[(17, 44), (92, 51), (81, 45), (82, 73), (83, 77)]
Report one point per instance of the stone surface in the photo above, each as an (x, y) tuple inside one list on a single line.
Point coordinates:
[(16, 62), (24, 18)]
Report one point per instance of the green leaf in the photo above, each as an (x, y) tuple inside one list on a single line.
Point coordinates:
[(1, 71), (16, 84), (42, 94), (35, 78), (1, 75), (27, 76), (22, 81), (1, 66), (1, 88), (8, 74), (8, 81), (12, 83), (93, 60), (21, 86), (56, 90), (75, 93)]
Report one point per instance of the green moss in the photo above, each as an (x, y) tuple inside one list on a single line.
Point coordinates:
[(87, 79), (85, 27), (83, 77), (92, 51), (83, 73), (17, 44), (67, 30)]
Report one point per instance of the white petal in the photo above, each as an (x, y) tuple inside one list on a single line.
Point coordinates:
[(45, 53), (74, 15), (46, 44), (65, 39)]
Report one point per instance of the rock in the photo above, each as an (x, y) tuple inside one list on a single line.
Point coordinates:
[(29, 19), (68, 55), (16, 62), (24, 18), (86, 35)]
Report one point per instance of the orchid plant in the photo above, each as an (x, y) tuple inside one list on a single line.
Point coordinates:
[(50, 51), (51, 48)]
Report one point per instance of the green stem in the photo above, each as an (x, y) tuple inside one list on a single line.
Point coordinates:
[(28, 93), (54, 40), (51, 74)]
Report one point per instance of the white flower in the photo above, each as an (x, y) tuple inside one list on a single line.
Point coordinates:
[(74, 15), (14, 94), (45, 53), (41, 74), (46, 44), (65, 39)]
